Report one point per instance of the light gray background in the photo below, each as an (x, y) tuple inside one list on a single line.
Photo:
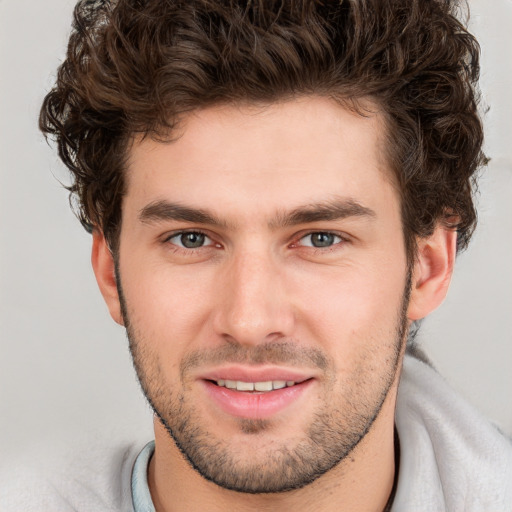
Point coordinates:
[(65, 370)]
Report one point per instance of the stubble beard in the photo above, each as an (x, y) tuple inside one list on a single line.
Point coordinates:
[(333, 434)]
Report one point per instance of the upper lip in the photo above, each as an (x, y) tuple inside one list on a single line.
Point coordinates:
[(255, 374)]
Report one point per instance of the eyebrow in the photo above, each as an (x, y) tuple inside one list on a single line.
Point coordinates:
[(324, 211), (337, 209), (164, 210)]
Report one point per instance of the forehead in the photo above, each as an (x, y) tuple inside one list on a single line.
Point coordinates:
[(247, 159)]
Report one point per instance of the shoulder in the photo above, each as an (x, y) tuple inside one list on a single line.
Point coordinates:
[(452, 458), (90, 477)]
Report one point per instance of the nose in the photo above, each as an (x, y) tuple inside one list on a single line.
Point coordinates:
[(252, 306)]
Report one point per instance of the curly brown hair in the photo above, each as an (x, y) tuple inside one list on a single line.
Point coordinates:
[(136, 66)]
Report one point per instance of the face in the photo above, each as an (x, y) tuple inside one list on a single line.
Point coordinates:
[(263, 280)]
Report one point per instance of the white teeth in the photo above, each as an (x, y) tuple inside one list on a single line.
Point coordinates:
[(263, 386), (255, 386), (244, 386)]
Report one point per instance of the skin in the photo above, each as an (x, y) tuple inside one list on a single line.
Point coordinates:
[(258, 294)]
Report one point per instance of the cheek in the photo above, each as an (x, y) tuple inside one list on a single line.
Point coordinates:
[(169, 306), (352, 307)]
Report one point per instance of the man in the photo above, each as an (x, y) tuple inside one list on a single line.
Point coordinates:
[(276, 193)]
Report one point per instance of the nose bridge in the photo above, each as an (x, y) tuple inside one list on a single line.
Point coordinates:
[(253, 307)]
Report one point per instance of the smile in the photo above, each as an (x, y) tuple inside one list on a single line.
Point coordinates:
[(255, 400), (265, 386)]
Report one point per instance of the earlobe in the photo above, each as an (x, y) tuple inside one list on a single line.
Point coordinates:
[(432, 272), (104, 269)]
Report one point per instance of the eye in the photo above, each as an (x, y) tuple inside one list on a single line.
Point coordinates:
[(190, 240), (320, 239)]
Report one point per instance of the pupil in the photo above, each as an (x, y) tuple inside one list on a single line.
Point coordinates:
[(192, 240), (322, 239)]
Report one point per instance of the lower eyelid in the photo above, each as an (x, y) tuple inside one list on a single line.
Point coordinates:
[(337, 239), (169, 239)]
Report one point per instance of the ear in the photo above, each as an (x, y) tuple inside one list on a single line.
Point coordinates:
[(104, 270), (432, 272)]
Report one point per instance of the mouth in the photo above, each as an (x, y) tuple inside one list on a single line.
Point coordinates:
[(256, 399), (255, 387)]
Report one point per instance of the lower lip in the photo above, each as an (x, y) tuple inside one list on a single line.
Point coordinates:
[(255, 405)]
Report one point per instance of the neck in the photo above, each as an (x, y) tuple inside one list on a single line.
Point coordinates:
[(362, 482)]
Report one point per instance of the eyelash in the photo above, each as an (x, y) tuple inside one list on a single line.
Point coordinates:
[(331, 247), (190, 251)]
